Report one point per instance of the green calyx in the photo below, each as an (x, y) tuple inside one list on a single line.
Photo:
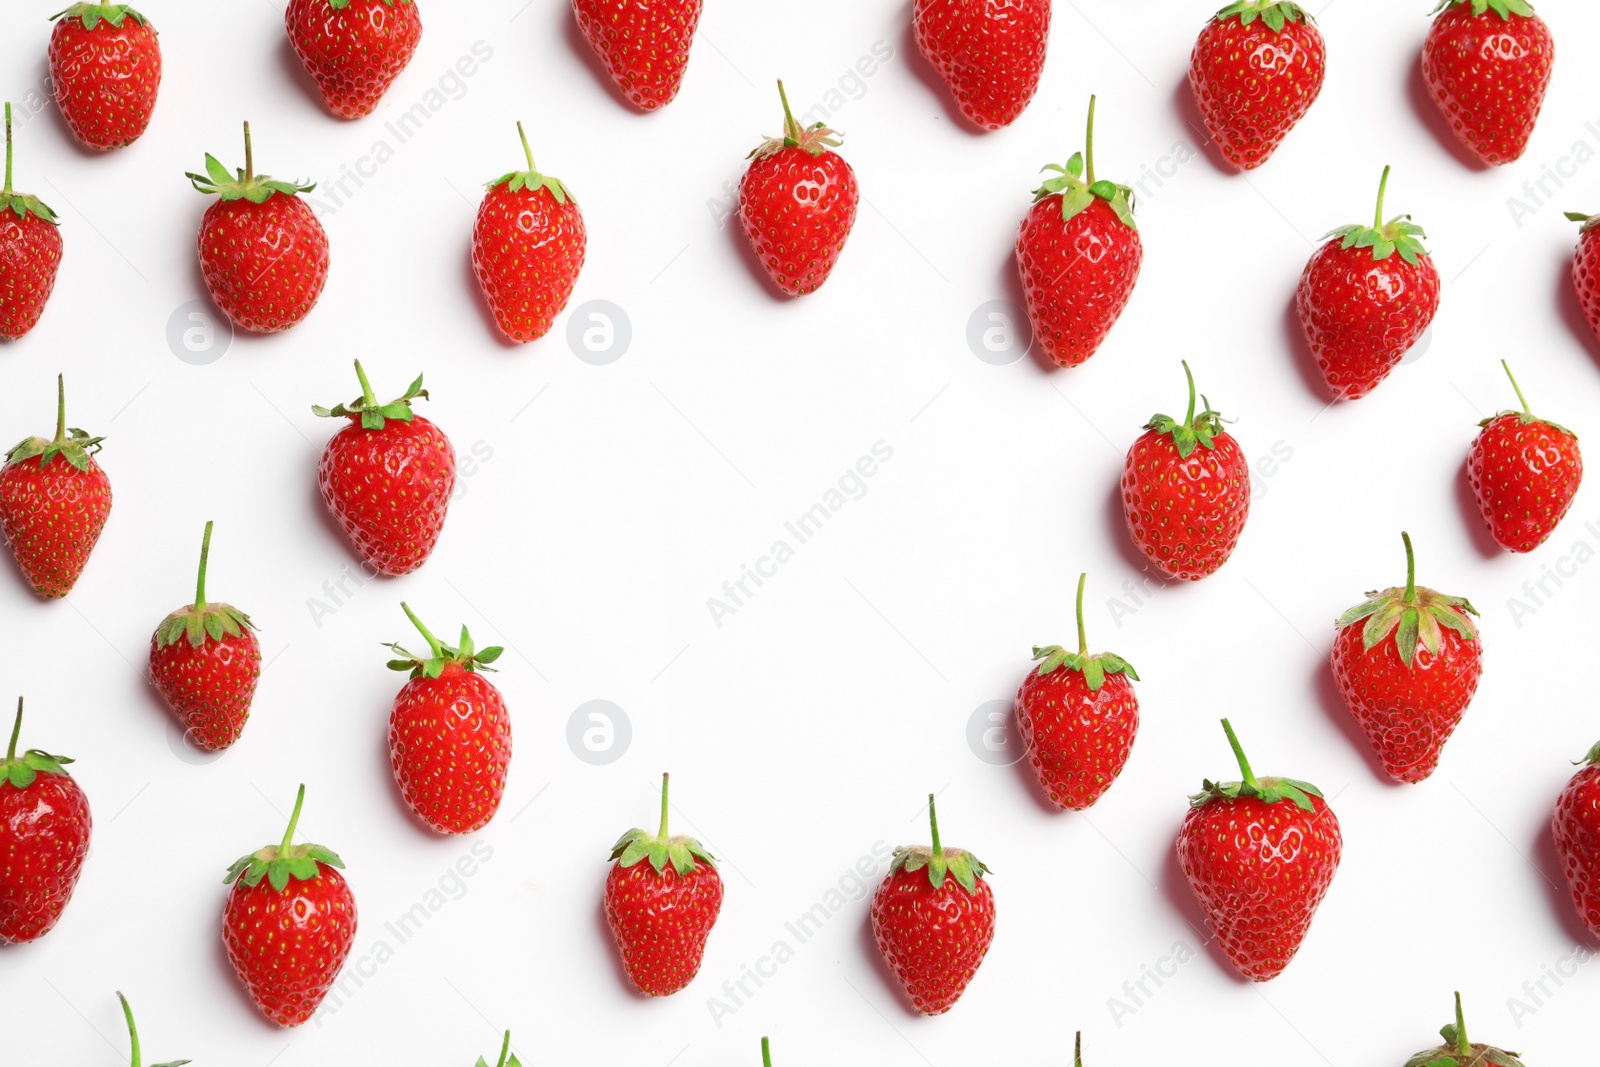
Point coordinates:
[(244, 184), (1592, 758), (340, 5), (660, 848), (1266, 790), (133, 1034), (813, 140), (1076, 185), (531, 179), (373, 415), (1093, 668), (22, 771), (91, 15), (283, 862), (1275, 14), (201, 620), (1525, 416), (1413, 613), (1504, 8), (1399, 234), (507, 1057), (1589, 221), (1195, 431), (1457, 1051), (940, 862), (21, 204), (71, 444), (465, 655)]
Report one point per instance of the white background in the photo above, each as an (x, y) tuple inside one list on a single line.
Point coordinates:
[(810, 725)]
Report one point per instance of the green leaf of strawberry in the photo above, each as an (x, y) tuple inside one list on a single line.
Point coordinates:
[(1275, 14), (201, 621), (92, 14), (1411, 613), (285, 862), (245, 184), (373, 414), (941, 863), (518, 180), (813, 140), (465, 654), (1075, 183), (1093, 668), (1266, 790), (1399, 234), (70, 443), (1504, 8), (660, 848)]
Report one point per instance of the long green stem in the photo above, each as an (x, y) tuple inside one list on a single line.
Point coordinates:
[(1411, 569), (1083, 639), (527, 150), (8, 149), (1077, 1050), (933, 821), (1188, 419), (249, 156), (1088, 146), (791, 128), (1238, 751), (766, 1053), (133, 1031), (367, 395), (665, 778), (200, 583), (61, 409), (433, 642), (16, 732), (1383, 185), (505, 1049), (294, 820), (1520, 398)]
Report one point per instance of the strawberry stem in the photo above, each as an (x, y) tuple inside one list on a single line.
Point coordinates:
[(1238, 751), (249, 156), (527, 151), (1411, 569), (1188, 419), (367, 395), (1521, 399), (791, 128), (16, 732), (1083, 640), (766, 1053), (294, 820), (1077, 1050), (664, 779), (133, 1031), (61, 410), (1463, 1047), (7, 191), (1383, 184), (505, 1049), (433, 642), (933, 821), (1088, 146), (200, 585)]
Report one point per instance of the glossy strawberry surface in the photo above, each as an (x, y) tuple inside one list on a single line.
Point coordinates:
[(1576, 829), (643, 44), (265, 264), (450, 748), (390, 489), (44, 839), (1077, 276), (1254, 83), (353, 49), (527, 250), (210, 686), (31, 250), (1077, 739), (1525, 473), (932, 938), (107, 75), (287, 946), (989, 53), (1586, 272), (1361, 317), (797, 210), (1489, 73)]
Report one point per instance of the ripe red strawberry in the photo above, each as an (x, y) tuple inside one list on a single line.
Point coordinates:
[(507, 1057), (662, 898), (54, 501), (1487, 64), (205, 661), (133, 1038), (1259, 855), (644, 44), (353, 49), (1409, 690), (105, 63), (1255, 72), (30, 248), (1186, 492), (387, 477), (449, 734), (528, 246), (44, 838), (1524, 471), (1079, 254), (1365, 298), (288, 925), (990, 55), (1458, 1051), (1078, 715), (797, 203), (263, 253), (1576, 828), (933, 918), (1586, 268)]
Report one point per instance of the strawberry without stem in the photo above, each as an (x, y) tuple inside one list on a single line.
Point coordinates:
[(30, 247), (54, 502), (1408, 671), (1487, 64), (1256, 69), (990, 55), (933, 918), (1186, 492), (1459, 1051), (662, 899), (105, 63), (449, 734), (288, 925), (263, 253), (44, 839), (353, 49), (387, 477), (1077, 715), (1576, 829), (133, 1038), (797, 203), (1079, 255), (643, 44), (1525, 472), (1259, 855)]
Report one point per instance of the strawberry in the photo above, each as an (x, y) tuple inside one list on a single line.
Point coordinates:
[(387, 477), (933, 918), (661, 911), (643, 44), (1487, 64), (797, 203), (52, 512), (1078, 715), (263, 253), (1365, 298), (205, 661), (133, 1038), (1256, 69), (1524, 471), (1576, 828), (1259, 855), (528, 246), (1410, 690), (30, 248), (105, 63), (1457, 1051), (507, 1057), (353, 49), (288, 925), (1586, 268), (1186, 492), (1079, 254), (449, 734), (44, 838), (990, 55)]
